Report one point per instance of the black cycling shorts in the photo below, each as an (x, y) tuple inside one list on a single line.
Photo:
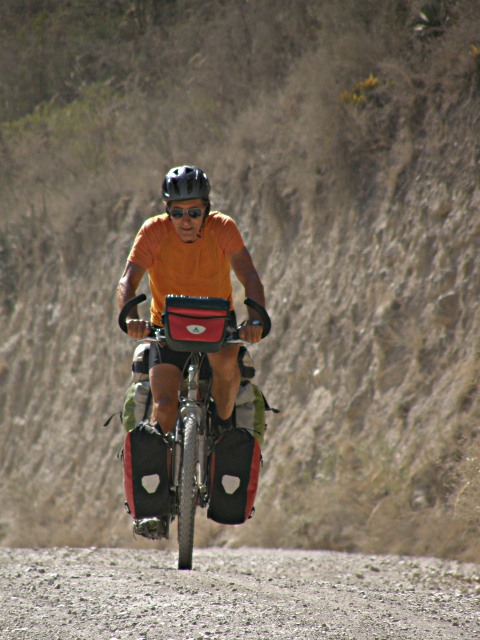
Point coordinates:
[(164, 355)]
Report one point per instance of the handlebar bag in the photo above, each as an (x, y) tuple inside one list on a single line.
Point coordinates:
[(195, 324)]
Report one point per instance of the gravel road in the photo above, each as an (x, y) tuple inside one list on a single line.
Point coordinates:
[(120, 594)]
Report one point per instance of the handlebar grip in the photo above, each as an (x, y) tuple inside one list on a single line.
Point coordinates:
[(262, 312), (122, 318)]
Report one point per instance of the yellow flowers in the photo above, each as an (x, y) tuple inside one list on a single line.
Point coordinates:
[(475, 50), (360, 92)]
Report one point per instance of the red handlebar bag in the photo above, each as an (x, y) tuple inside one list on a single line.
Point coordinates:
[(195, 323)]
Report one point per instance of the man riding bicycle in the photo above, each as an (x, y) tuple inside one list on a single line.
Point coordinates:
[(189, 250)]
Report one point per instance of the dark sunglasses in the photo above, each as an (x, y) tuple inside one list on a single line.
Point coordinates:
[(178, 213)]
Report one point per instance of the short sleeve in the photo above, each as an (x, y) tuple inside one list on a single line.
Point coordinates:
[(142, 253), (229, 235)]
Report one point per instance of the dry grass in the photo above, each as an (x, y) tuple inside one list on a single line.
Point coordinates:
[(326, 129)]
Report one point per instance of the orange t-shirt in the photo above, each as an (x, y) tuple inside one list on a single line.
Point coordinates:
[(200, 268)]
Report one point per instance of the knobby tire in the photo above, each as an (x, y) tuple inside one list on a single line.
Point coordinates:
[(188, 496)]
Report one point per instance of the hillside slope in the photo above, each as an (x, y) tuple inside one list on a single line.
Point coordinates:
[(346, 145)]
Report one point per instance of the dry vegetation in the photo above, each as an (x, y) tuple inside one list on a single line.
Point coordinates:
[(344, 139)]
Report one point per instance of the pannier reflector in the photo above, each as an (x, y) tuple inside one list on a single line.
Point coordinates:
[(151, 483), (230, 483)]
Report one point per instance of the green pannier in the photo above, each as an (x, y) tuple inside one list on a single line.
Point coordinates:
[(137, 401), (136, 404), (250, 408)]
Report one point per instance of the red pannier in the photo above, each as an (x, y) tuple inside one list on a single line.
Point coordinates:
[(146, 470), (234, 471), (195, 323)]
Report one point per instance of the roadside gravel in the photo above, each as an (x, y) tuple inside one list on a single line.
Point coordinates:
[(125, 594)]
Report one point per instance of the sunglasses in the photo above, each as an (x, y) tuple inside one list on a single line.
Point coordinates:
[(194, 213)]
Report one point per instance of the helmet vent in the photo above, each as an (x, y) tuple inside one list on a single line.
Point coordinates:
[(186, 183)]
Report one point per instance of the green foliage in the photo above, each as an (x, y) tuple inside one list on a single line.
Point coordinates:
[(61, 120), (79, 126), (93, 38)]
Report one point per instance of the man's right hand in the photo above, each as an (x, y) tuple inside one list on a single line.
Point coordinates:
[(138, 329)]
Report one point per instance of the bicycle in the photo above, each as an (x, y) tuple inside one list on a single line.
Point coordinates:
[(193, 436)]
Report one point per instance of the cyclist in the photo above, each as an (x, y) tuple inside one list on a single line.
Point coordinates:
[(189, 250)]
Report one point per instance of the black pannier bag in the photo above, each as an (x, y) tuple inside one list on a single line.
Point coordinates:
[(195, 323), (234, 471), (146, 461)]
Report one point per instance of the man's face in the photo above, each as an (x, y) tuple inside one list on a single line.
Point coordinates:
[(187, 227)]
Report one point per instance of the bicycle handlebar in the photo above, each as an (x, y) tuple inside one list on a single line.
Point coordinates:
[(122, 318), (262, 312)]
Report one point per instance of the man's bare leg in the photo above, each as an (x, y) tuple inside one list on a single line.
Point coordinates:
[(165, 383), (226, 379)]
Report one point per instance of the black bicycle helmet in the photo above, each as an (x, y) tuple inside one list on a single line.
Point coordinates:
[(185, 183)]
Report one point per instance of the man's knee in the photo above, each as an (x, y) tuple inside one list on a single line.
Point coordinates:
[(164, 412), (225, 362), (165, 382), (166, 403)]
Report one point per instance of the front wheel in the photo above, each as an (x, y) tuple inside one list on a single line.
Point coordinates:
[(188, 495)]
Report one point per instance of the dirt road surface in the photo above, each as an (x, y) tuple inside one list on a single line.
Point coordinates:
[(125, 594)]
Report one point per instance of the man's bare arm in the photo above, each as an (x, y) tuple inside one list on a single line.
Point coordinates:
[(246, 272), (126, 290), (128, 285)]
